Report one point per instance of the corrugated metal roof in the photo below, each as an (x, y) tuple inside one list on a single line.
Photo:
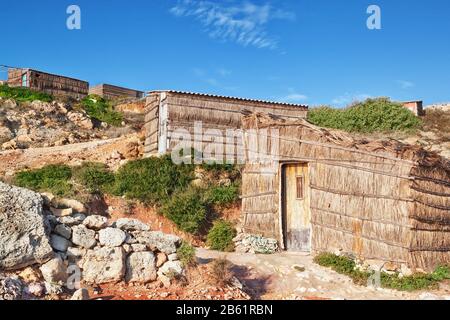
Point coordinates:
[(231, 98)]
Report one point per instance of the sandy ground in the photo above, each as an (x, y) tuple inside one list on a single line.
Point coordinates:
[(274, 277)]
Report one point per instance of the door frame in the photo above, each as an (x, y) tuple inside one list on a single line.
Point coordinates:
[(282, 205)]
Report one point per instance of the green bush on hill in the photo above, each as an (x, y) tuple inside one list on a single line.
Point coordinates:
[(152, 180), (221, 235), (186, 254), (52, 178), (23, 94), (102, 110), (223, 196), (94, 176), (187, 209), (372, 115)]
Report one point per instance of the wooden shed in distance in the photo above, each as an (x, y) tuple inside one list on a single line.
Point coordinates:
[(109, 91), (167, 111), (46, 82), (326, 191)]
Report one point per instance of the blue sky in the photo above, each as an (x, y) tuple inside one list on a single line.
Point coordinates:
[(302, 51)]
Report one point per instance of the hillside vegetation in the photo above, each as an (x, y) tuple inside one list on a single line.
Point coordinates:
[(372, 115), (23, 94), (156, 182)]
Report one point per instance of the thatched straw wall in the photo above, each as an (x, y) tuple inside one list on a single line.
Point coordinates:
[(214, 112), (380, 200)]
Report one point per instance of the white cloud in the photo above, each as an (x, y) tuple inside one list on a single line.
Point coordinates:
[(348, 98), (295, 97), (244, 23), (405, 84)]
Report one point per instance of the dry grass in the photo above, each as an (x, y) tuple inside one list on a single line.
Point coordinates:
[(437, 121), (221, 271)]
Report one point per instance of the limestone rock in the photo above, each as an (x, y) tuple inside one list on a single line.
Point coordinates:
[(112, 237), (161, 258), (131, 225), (171, 267), (23, 235), (95, 222), (54, 271), (75, 205), (172, 257), (59, 243), (166, 243), (103, 265), (141, 267), (64, 231), (83, 237)]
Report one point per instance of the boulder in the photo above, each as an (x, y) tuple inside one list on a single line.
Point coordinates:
[(59, 243), (103, 265), (75, 205), (35, 289), (54, 271), (166, 243), (80, 294), (64, 231), (23, 235), (95, 222), (131, 225), (112, 237), (73, 220), (171, 267), (141, 267), (83, 237)]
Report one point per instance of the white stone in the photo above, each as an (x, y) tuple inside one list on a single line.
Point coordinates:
[(103, 265), (83, 237), (95, 222), (141, 267), (112, 237)]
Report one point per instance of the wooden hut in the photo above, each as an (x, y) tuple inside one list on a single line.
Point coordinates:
[(109, 91), (326, 191), (49, 83), (167, 111)]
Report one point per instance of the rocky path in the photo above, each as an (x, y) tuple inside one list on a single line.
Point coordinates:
[(281, 276)]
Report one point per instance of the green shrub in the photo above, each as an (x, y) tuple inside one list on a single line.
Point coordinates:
[(23, 94), (187, 210), (221, 235), (186, 254), (345, 265), (52, 178), (94, 176), (372, 115), (98, 108), (223, 196), (152, 180)]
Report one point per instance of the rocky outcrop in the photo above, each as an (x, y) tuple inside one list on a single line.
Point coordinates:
[(23, 237)]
